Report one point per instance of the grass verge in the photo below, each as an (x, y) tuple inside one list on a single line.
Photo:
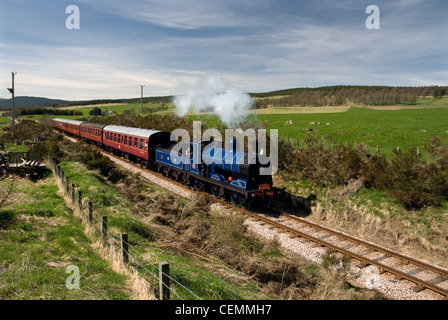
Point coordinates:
[(39, 239)]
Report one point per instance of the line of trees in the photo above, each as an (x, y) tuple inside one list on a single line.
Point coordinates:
[(341, 95), (52, 111)]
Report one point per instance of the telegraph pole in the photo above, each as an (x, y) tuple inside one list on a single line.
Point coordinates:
[(12, 103), (141, 99)]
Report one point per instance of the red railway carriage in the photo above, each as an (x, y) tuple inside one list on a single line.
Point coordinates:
[(139, 143), (60, 124), (92, 132), (73, 127), (69, 126)]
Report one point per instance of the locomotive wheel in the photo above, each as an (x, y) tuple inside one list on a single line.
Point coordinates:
[(198, 185), (217, 192), (239, 200)]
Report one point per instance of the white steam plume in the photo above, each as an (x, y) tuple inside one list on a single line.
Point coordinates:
[(213, 94)]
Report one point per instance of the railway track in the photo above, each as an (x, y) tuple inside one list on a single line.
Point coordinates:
[(424, 276)]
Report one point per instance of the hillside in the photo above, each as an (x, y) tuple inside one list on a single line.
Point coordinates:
[(26, 101), (345, 91)]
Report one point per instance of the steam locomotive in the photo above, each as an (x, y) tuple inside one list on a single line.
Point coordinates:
[(204, 165)]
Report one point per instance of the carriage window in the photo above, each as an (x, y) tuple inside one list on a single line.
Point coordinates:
[(115, 137), (141, 143), (135, 143), (125, 140), (107, 136)]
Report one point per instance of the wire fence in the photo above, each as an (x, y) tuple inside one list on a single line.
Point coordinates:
[(157, 277), (295, 144)]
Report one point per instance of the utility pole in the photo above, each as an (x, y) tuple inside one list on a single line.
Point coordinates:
[(12, 103), (141, 99)]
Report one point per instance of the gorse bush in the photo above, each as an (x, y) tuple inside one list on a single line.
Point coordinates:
[(411, 181), (323, 164)]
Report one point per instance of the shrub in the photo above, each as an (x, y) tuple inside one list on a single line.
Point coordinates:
[(412, 182)]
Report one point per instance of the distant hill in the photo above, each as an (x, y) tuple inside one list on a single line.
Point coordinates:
[(25, 101), (288, 92)]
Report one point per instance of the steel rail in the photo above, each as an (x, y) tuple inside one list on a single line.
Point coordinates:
[(375, 247), (398, 273)]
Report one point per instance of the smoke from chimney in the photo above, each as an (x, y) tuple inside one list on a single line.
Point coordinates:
[(211, 93)]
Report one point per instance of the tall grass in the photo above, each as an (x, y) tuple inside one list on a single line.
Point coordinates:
[(39, 239)]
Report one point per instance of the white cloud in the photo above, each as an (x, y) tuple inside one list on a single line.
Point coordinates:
[(256, 45), (181, 14)]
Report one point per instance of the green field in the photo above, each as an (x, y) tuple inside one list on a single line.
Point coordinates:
[(119, 108), (386, 128)]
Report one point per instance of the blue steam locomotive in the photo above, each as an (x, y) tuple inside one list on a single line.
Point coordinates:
[(227, 173)]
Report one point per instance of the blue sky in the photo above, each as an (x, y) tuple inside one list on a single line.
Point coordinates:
[(255, 45)]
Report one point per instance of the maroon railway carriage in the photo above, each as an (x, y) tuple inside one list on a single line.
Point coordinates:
[(60, 124), (73, 127), (69, 126), (92, 132), (135, 144)]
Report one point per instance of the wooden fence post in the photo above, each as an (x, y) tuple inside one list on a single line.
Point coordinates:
[(67, 184), (104, 228), (377, 150), (80, 200), (73, 193), (90, 212), (164, 280), (124, 248)]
